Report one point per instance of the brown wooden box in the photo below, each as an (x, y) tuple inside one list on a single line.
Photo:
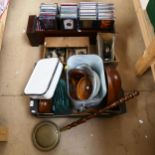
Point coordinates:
[(3, 134)]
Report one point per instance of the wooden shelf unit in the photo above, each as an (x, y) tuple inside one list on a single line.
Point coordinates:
[(37, 37), (148, 58)]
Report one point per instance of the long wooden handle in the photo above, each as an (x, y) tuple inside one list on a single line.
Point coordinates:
[(100, 111)]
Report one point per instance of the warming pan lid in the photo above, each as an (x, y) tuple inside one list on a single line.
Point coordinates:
[(46, 135)]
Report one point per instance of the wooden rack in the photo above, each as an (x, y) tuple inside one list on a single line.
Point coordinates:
[(148, 58)]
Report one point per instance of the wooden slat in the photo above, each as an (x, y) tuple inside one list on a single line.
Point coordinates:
[(144, 23), (147, 59), (3, 134), (137, 5), (153, 70), (147, 30), (145, 26), (66, 42), (2, 25)]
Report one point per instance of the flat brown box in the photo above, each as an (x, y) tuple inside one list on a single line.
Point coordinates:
[(3, 134)]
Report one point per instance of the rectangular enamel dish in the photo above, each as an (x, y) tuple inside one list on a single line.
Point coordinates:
[(44, 78)]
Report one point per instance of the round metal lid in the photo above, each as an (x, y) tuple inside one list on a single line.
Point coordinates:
[(46, 135)]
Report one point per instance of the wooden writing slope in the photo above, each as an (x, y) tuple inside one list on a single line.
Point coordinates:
[(65, 42), (148, 58)]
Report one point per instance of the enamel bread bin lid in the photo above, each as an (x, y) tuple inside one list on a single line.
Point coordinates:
[(44, 79)]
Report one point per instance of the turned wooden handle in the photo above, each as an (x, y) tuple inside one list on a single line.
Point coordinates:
[(100, 111)]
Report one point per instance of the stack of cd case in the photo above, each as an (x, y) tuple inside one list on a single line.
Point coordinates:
[(96, 15), (87, 15), (76, 16), (106, 15), (68, 16), (48, 16)]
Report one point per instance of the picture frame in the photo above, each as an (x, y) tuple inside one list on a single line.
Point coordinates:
[(81, 51)]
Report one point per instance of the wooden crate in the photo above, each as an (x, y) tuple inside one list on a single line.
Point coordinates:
[(70, 42)]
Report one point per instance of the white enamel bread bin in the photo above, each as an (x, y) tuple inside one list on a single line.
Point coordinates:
[(44, 79)]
